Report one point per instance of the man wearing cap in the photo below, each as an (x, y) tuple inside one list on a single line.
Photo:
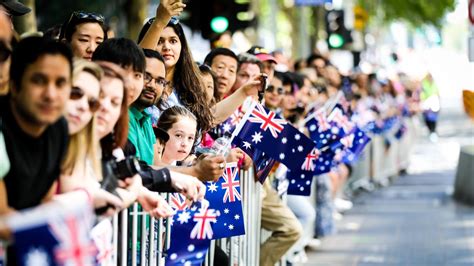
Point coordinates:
[(13, 8), (269, 62)]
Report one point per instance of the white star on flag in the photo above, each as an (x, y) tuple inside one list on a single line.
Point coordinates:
[(226, 127), (284, 140), (231, 226), (236, 217), (247, 145), (184, 217), (257, 137), (226, 211), (212, 187), (37, 257)]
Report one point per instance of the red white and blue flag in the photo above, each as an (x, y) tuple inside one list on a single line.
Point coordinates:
[(53, 234), (191, 234), (224, 196), (266, 131)]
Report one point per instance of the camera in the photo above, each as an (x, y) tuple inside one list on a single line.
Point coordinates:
[(113, 171)]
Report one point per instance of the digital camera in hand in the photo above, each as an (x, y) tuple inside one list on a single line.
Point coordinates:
[(113, 171)]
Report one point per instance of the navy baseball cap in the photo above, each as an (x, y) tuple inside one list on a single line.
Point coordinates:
[(15, 8)]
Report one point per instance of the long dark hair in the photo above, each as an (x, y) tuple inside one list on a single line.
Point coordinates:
[(186, 80)]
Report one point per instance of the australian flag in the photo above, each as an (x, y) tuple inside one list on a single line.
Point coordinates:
[(224, 196), (299, 182), (262, 162), (321, 131), (54, 235), (350, 147), (268, 132), (340, 119), (191, 234), (317, 162)]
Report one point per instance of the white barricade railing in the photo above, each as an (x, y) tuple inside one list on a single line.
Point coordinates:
[(155, 237), (377, 164)]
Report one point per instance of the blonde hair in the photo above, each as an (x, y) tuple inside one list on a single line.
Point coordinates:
[(84, 145)]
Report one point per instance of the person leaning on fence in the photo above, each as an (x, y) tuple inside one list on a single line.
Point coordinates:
[(32, 117), (276, 216)]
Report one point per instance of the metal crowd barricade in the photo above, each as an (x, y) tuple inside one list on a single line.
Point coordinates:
[(360, 177), (378, 174), (155, 237)]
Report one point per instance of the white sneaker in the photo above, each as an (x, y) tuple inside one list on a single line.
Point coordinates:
[(300, 257), (336, 216), (342, 205), (314, 244), (434, 137)]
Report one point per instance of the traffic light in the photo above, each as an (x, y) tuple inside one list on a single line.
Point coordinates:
[(337, 34), (212, 17)]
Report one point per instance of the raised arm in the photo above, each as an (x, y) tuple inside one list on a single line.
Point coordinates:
[(165, 10), (226, 107)]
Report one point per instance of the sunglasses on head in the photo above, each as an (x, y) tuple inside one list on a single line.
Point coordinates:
[(80, 15), (174, 20), (272, 88), (77, 94)]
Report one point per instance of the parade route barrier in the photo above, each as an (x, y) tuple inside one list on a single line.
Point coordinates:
[(360, 178), (155, 236), (464, 183)]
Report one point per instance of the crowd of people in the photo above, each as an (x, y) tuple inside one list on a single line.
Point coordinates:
[(76, 103)]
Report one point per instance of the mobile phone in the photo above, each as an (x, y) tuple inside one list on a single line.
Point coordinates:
[(263, 82)]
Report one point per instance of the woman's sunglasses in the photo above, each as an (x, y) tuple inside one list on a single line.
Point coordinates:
[(272, 88), (80, 15), (77, 94)]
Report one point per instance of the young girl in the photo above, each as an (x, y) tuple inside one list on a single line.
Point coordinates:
[(181, 126)]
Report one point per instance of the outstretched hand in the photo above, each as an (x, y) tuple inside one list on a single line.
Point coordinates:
[(169, 8)]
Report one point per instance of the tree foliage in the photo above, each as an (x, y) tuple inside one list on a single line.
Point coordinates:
[(415, 12)]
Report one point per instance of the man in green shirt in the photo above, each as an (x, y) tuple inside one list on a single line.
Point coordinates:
[(140, 132)]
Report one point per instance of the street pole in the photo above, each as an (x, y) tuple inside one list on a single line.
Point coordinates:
[(303, 41)]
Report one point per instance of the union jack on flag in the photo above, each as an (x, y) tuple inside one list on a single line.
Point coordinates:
[(340, 119), (230, 184), (203, 219), (178, 202), (268, 120), (224, 196), (184, 249), (52, 234), (321, 118), (310, 161), (267, 132)]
